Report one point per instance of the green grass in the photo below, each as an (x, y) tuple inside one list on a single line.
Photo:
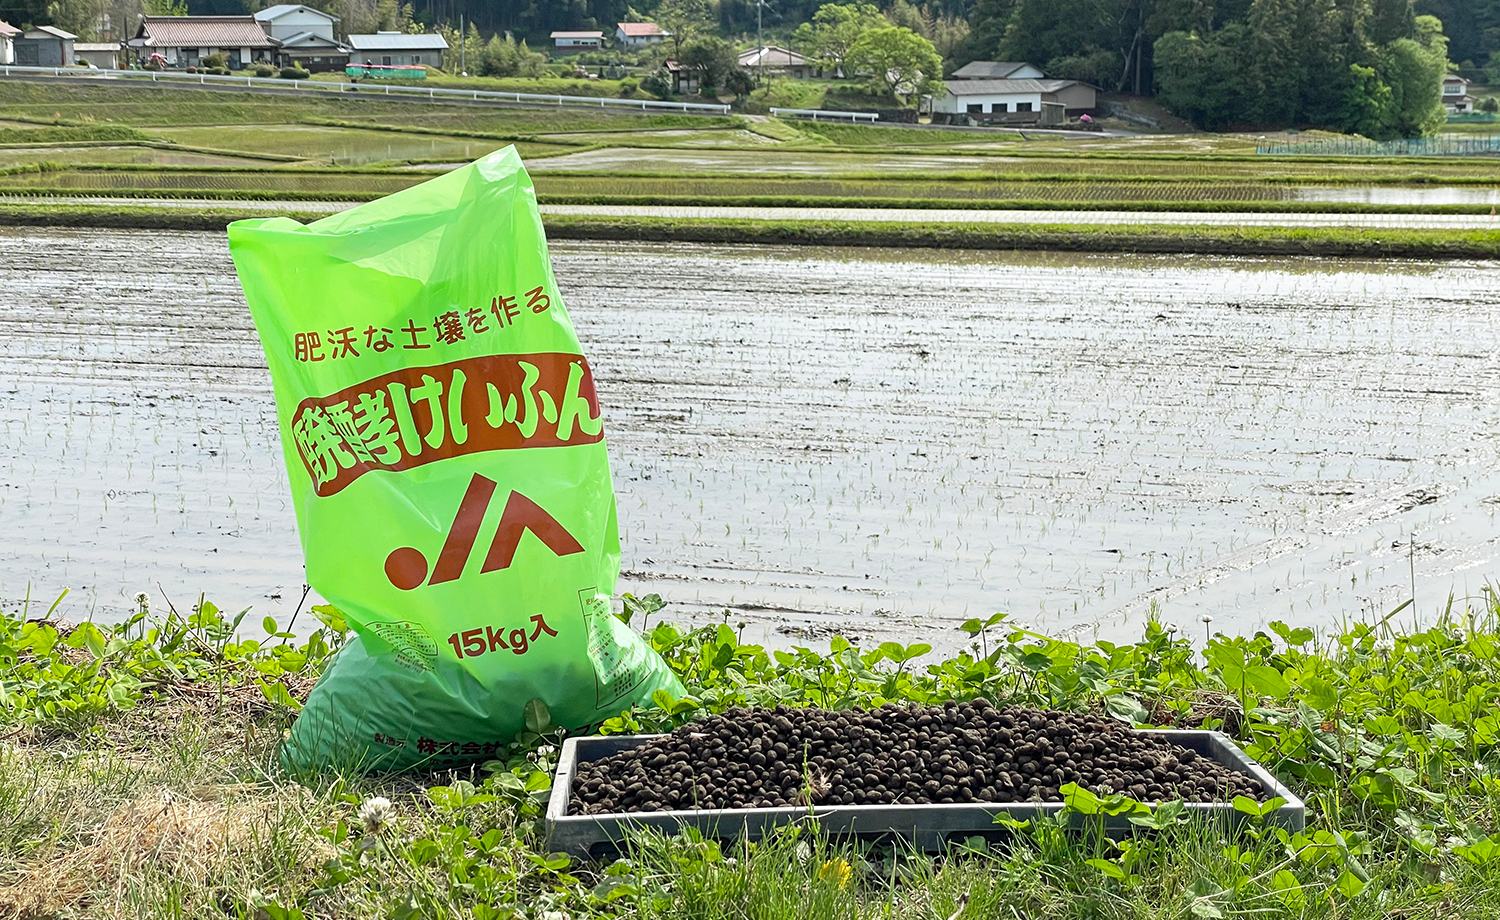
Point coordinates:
[(1320, 241), (157, 155), (68, 135), (1060, 236), (138, 778)]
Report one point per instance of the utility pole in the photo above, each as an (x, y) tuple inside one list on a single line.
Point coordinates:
[(463, 47), (760, 58)]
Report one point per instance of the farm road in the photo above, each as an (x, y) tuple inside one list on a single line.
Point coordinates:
[(904, 215)]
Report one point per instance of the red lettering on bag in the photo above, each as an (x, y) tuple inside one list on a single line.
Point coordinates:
[(418, 415)]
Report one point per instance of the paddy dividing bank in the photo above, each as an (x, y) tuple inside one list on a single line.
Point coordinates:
[(1257, 236)]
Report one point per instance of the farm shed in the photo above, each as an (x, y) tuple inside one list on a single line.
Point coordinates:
[(184, 41), (684, 79), (393, 48), (44, 46), (103, 55)]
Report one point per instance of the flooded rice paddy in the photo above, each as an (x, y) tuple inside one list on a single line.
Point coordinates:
[(347, 146), (878, 442)]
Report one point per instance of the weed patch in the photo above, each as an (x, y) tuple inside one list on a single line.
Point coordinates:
[(1389, 734)]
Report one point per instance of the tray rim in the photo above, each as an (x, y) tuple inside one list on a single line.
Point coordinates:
[(893, 817)]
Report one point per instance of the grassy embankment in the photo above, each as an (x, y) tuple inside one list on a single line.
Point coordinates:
[(1312, 241), (1056, 191), (138, 778)]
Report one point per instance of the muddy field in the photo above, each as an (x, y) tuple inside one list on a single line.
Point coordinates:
[(879, 442)]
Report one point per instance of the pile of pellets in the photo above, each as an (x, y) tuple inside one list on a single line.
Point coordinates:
[(957, 752)]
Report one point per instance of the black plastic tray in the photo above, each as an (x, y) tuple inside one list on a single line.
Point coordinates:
[(925, 827)]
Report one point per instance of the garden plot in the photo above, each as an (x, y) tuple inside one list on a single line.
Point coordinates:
[(882, 443)]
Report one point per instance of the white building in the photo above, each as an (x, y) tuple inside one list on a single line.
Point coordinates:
[(577, 41), (390, 49), (1456, 98), (997, 70), (8, 35), (640, 34), (309, 37), (1029, 101), (103, 55), (775, 61)]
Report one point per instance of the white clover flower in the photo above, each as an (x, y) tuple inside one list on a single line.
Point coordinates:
[(375, 813)]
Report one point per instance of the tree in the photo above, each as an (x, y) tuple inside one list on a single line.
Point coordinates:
[(1199, 78), (1100, 67), (25, 12), (1365, 107), (1366, 66), (463, 51), (1414, 69), (712, 59), (899, 59), (1390, 20), (685, 19), (987, 22), (78, 16), (834, 29), (503, 57), (946, 31)]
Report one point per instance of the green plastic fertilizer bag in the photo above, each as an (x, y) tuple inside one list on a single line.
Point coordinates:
[(446, 456)]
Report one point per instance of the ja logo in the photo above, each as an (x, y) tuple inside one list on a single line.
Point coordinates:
[(406, 567)]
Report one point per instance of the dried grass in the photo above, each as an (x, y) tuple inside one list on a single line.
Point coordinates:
[(186, 836)]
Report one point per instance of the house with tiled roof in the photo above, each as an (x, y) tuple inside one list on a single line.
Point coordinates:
[(184, 41), (1456, 98), (775, 61)]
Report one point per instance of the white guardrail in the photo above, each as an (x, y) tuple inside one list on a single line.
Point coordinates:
[(815, 114), (205, 79)]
